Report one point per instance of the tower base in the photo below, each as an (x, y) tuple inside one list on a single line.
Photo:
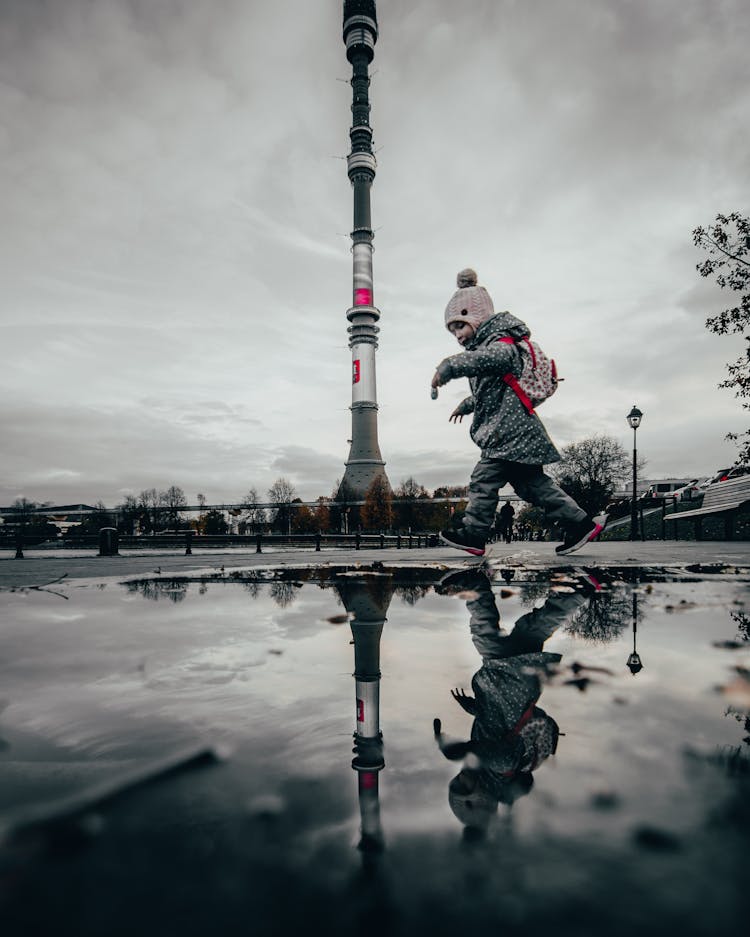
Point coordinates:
[(365, 463), (358, 477)]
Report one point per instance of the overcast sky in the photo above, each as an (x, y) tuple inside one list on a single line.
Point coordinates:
[(174, 249)]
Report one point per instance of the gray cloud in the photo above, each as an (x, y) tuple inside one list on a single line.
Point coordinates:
[(311, 472), (175, 253)]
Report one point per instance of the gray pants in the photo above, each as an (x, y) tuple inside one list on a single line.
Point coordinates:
[(528, 481), (529, 632)]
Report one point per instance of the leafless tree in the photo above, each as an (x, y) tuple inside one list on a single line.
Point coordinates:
[(24, 509), (150, 505), (128, 513), (283, 593), (407, 514), (411, 593), (174, 500), (592, 469), (281, 494), (256, 515), (605, 616)]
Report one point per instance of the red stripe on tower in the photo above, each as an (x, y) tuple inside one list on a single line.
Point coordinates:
[(363, 297)]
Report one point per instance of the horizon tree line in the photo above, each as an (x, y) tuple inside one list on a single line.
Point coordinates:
[(591, 470)]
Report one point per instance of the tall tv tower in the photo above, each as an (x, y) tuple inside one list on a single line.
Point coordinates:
[(365, 462)]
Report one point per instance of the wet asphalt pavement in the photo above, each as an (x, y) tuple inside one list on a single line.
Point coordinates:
[(38, 567)]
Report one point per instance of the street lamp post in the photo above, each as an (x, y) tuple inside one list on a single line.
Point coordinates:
[(634, 421)]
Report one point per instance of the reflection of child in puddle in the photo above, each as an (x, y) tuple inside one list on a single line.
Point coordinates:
[(511, 736)]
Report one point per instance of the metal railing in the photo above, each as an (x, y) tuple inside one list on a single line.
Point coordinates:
[(109, 543)]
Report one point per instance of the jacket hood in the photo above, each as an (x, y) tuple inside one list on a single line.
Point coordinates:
[(502, 323)]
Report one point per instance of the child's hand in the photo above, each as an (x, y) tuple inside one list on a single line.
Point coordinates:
[(468, 703), (436, 380), (456, 416)]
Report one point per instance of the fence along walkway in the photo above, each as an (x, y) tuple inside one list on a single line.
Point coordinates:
[(109, 542), (720, 498), (314, 541)]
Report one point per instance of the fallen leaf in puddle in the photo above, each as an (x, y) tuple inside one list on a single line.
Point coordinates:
[(737, 691), (649, 837), (604, 800), (507, 593), (266, 806), (582, 683), (577, 668), (683, 606), (340, 619), (729, 645)]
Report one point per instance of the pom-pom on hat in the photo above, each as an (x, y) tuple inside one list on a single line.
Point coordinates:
[(470, 303)]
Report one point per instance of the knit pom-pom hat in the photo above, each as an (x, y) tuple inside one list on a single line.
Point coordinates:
[(470, 303)]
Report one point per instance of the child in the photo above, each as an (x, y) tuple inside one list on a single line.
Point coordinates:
[(514, 443)]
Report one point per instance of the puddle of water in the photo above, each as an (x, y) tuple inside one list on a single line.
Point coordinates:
[(589, 742)]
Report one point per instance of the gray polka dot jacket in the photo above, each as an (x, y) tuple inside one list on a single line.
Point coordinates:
[(501, 427)]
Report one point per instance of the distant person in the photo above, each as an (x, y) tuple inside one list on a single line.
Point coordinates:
[(514, 443), (506, 515)]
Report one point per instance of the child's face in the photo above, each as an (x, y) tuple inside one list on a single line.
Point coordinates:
[(463, 332)]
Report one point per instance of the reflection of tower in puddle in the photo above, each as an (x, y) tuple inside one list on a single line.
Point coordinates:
[(367, 602)]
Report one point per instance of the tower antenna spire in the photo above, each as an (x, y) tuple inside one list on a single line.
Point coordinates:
[(365, 463)]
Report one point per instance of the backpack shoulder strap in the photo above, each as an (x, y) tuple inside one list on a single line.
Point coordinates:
[(512, 381), (527, 343)]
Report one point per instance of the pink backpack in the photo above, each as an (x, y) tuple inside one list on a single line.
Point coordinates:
[(538, 380)]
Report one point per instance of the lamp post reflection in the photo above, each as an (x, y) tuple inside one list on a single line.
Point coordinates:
[(634, 663)]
